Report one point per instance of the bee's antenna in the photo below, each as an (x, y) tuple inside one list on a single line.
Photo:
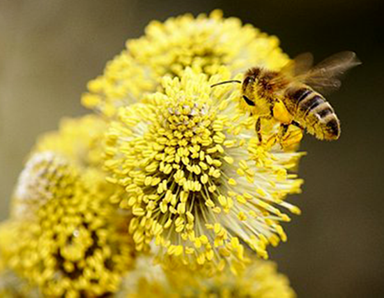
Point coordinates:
[(226, 82)]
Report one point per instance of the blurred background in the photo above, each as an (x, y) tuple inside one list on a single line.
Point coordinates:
[(50, 49)]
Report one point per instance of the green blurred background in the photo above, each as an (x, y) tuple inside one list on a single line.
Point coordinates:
[(50, 49)]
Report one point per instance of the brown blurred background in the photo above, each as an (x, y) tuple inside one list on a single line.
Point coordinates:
[(50, 49)]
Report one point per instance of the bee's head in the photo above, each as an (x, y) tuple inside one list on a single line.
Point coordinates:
[(251, 86)]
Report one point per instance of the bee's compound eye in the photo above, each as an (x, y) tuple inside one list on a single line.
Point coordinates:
[(248, 101), (249, 80)]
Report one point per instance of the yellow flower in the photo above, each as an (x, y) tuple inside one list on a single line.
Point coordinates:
[(204, 43), (44, 177), (78, 139), (146, 280), (12, 286), (2, 265), (75, 242), (79, 142), (196, 178), (259, 280)]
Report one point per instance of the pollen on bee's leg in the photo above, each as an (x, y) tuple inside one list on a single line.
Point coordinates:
[(271, 141), (291, 139), (283, 132)]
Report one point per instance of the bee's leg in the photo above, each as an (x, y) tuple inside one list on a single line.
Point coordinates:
[(297, 125), (290, 139), (283, 130), (299, 134), (258, 129)]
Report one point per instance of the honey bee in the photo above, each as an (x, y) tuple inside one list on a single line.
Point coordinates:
[(292, 95)]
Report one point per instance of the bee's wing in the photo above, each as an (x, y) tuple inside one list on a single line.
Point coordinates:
[(296, 69), (300, 65), (325, 76)]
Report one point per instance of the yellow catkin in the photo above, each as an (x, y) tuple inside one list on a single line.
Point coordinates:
[(12, 286), (259, 280), (78, 140), (204, 43), (206, 189), (75, 242)]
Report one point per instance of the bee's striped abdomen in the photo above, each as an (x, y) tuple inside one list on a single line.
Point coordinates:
[(315, 113), (300, 94)]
